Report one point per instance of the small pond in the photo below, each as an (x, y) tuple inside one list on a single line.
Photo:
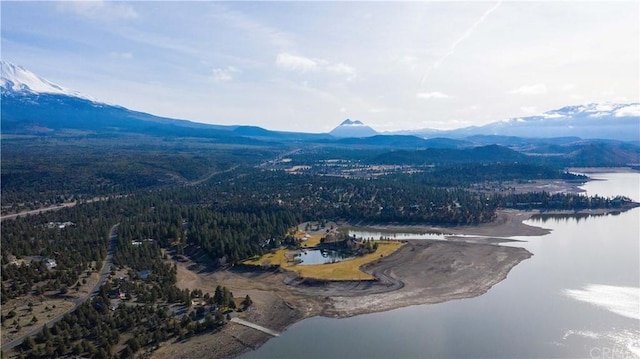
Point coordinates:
[(321, 256)]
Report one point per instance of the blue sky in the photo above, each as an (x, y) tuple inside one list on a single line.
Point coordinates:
[(306, 66)]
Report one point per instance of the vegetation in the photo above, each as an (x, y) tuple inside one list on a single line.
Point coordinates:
[(227, 202), (342, 270)]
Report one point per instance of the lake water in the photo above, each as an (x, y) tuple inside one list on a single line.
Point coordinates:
[(577, 297)]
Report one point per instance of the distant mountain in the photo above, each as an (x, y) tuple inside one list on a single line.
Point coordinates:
[(17, 79), (481, 154), (401, 141), (602, 121), (33, 105), (599, 134), (350, 128)]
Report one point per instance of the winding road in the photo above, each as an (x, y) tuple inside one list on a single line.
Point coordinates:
[(104, 274)]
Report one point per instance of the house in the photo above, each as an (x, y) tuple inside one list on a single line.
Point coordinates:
[(144, 274), (138, 243), (117, 294), (50, 263), (11, 259)]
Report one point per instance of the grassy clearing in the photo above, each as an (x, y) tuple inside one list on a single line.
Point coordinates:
[(312, 241), (277, 257), (345, 270)]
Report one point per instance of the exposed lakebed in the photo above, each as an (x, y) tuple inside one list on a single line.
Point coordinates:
[(578, 296)]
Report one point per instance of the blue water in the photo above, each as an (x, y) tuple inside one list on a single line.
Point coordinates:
[(577, 297)]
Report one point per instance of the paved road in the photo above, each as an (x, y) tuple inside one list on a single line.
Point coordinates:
[(55, 207), (255, 326), (208, 177), (106, 269), (38, 211)]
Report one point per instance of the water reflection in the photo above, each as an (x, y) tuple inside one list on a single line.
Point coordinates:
[(320, 256), (576, 297), (566, 217)]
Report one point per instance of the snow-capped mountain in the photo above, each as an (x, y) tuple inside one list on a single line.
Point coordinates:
[(31, 103), (351, 128), (17, 79), (603, 121)]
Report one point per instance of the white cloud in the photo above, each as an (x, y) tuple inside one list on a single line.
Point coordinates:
[(296, 63), (299, 63), (455, 44), (224, 74), (121, 55), (553, 115), (223, 12), (409, 62), (98, 9), (537, 89), (342, 69), (432, 95), (604, 107), (629, 111), (567, 87), (529, 110)]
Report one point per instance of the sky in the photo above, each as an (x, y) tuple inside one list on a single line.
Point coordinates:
[(307, 66)]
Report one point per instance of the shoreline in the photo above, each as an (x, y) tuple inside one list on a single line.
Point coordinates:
[(460, 267), (590, 170), (420, 272)]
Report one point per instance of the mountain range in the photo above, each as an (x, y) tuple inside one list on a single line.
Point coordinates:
[(590, 121), (35, 106)]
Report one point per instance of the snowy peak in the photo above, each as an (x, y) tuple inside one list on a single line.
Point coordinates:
[(19, 80), (351, 128), (349, 122), (595, 120), (596, 110)]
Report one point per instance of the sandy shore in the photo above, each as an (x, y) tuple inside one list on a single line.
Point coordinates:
[(421, 272), (507, 224), (466, 265)]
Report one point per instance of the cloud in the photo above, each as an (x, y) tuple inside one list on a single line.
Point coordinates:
[(121, 55), (296, 63), (455, 44), (432, 95), (97, 9), (249, 24), (342, 69), (629, 111), (528, 109), (299, 63), (567, 87), (224, 74), (537, 89)]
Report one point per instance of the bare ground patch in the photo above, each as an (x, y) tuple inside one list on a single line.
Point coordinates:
[(25, 309)]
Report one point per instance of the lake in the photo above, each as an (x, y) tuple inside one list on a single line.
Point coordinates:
[(578, 296)]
